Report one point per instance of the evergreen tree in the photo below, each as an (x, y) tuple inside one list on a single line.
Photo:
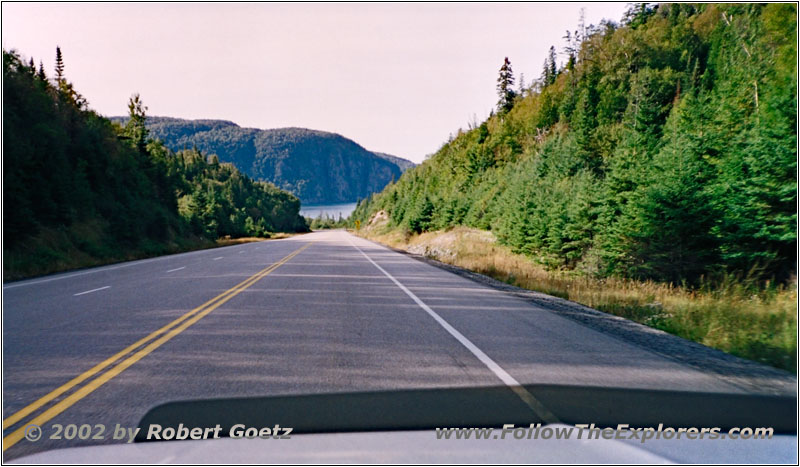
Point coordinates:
[(668, 225), (549, 71), (65, 89), (136, 129), (59, 65), (505, 87), (637, 14), (572, 48)]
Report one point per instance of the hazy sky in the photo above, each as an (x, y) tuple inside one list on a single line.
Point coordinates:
[(396, 78)]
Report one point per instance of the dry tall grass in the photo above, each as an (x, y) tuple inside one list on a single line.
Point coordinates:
[(759, 325)]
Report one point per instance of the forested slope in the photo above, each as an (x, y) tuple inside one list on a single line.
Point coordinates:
[(663, 148), (317, 166), (80, 190)]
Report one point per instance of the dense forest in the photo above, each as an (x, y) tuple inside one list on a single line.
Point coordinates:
[(81, 190), (662, 147), (316, 166)]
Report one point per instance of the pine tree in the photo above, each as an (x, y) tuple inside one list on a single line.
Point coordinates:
[(59, 65), (668, 226), (505, 87), (637, 14), (41, 74), (572, 48), (136, 129), (549, 72)]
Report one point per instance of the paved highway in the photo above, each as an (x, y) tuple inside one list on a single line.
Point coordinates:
[(318, 313)]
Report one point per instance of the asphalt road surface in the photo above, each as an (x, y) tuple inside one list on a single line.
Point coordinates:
[(319, 313)]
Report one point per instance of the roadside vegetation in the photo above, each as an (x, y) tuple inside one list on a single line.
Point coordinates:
[(327, 222), (650, 172), (79, 190)]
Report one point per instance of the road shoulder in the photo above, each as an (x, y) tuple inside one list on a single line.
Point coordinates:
[(749, 375)]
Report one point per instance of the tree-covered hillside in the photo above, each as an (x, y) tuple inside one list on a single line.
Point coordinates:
[(663, 148), (318, 167), (80, 190)]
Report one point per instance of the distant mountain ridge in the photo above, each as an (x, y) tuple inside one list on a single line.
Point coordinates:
[(317, 166), (404, 164)]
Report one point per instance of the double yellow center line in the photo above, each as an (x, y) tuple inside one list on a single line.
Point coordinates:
[(153, 342)]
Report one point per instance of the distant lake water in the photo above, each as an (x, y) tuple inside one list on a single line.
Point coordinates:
[(329, 210)]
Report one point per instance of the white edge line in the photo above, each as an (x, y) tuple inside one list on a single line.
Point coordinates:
[(528, 398), (177, 269), (90, 291)]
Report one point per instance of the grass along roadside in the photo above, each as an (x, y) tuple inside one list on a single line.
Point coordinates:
[(227, 241), (59, 251), (730, 316)]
